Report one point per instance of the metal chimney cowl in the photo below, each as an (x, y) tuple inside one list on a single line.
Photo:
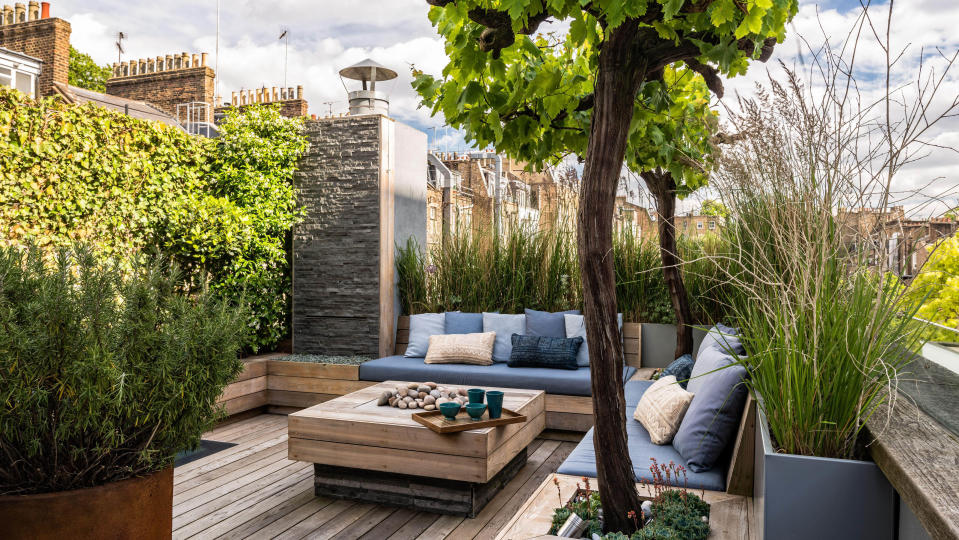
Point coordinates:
[(367, 100)]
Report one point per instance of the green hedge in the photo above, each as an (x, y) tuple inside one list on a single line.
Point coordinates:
[(221, 208)]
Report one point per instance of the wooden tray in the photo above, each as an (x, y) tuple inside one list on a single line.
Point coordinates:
[(438, 423)]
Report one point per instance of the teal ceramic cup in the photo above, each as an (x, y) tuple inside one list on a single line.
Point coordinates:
[(476, 395), (450, 410), (494, 398), (476, 410)]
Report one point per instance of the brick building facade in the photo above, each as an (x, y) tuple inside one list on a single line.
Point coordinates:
[(31, 31)]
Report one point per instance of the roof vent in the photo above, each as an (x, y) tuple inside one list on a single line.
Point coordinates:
[(367, 100)]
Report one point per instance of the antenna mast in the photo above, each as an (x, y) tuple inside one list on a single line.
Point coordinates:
[(286, 52), (119, 43), (216, 60)]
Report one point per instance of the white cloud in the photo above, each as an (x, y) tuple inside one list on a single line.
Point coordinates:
[(328, 35)]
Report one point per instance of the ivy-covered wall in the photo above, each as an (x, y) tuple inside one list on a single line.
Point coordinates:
[(221, 208)]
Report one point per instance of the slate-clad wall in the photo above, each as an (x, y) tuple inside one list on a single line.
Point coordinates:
[(336, 291)]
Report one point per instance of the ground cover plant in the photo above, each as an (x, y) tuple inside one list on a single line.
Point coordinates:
[(674, 513), (108, 369), (221, 208)]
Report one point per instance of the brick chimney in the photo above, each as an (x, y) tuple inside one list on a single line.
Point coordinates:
[(292, 104), (165, 81), (28, 29)]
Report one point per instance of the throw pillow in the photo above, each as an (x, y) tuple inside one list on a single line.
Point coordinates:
[(458, 322), (544, 323), (723, 338), (713, 416), (661, 409), (544, 352), (504, 326), (423, 326), (681, 368), (461, 349), (576, 327)]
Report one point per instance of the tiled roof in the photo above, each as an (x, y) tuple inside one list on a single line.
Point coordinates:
[(130, 107)]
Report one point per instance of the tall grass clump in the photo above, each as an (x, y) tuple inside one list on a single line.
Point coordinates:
[(826, 331), (476, 272)]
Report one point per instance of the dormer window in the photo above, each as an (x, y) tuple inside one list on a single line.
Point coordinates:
[(19, 72)]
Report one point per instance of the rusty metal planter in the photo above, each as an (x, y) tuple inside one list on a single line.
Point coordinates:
[(134, 508)]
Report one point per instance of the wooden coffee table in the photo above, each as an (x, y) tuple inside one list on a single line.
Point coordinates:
[(365, 452)]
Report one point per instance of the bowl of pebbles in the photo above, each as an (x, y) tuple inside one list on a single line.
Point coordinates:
[(427, 396)]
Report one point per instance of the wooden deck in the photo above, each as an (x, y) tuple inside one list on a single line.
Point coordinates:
[(252, 490)]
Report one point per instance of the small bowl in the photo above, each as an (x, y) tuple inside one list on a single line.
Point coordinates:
[(450, 409), (476, 410)]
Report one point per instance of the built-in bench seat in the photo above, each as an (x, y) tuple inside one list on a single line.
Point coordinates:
[(552, 381), (582, 461)]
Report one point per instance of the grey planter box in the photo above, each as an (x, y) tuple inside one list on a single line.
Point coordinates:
[(659, 343), (802, 497)]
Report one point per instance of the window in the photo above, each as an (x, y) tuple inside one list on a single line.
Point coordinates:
[(699, 225), (19, 72), (712, 225), (433, 213)]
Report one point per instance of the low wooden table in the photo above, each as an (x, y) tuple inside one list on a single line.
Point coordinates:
[(365, 452)]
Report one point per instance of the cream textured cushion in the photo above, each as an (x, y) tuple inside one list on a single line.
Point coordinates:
[(661, 409), (461, 349)]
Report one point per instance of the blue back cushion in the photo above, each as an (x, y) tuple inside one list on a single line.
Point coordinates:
[(576, 327), (458, 322), (544, 352), (505, 326), (724, 338), (713, 416), (544, 323), (681, 367), (423, 326)]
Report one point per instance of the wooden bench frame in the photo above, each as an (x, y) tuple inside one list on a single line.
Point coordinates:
[(268, 382), (283, 387)]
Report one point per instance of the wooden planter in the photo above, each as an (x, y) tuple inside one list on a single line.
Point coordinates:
[(135, 508)]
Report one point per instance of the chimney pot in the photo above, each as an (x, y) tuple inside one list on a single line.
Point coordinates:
[(313, 116), (276, 94), (44, 10), (299, 91), (196, 60), (33, 11), (203, 59), (20, 11), (184, 60)]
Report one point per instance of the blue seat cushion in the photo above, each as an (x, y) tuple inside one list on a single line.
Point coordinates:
[(552, 381), (582, 460)]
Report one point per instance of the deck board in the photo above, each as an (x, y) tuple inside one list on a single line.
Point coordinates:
[(252, 490)]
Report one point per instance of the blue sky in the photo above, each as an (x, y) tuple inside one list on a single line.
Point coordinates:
[(328, 35)]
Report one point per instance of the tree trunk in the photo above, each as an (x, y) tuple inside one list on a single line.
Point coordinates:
[(616, 87), (663, 188)]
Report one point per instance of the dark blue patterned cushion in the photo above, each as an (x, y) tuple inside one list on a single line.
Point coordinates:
[(681, 367), (544, 352)]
